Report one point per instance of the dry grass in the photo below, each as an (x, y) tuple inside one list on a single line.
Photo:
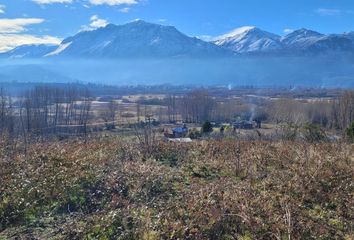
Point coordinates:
[(106, 189)]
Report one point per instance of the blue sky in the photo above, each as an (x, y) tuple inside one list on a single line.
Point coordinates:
[(49, 21)]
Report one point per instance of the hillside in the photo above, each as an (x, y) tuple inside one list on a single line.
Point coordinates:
[(112, 189)]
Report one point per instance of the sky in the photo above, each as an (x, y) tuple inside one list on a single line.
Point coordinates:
[(50, 21)]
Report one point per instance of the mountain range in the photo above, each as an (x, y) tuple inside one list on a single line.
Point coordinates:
[(134, 39), (143, 39), (145, 53), (299, 42)]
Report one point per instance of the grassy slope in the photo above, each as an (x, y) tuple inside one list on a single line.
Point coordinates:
[(108, 189)]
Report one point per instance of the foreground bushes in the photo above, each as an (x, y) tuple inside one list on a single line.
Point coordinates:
[(107, 189)]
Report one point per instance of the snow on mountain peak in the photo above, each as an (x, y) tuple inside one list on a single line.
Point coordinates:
[(236, 32), (307, 41), (302, 35), (249, 39)]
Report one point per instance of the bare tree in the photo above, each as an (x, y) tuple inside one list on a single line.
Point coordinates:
[(47, 110), (7, 118), (108, 114), (138, 112), (343, 110), (197, 106)]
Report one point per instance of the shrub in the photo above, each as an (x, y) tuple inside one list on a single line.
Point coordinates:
[(207, 127), (222, 189), (314, 133), (194, 134), (350, 133)]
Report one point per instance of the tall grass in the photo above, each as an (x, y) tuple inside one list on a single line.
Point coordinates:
[(228, 189)]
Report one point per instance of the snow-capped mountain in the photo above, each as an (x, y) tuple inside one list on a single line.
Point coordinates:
[(140, 39), (310, 42), (332, 43), (29, 51), (249, 39), (135, 39), (301, 39), (350, 36)]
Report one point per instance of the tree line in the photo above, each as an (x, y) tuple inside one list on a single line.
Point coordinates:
[(200, 106), (45, 110)]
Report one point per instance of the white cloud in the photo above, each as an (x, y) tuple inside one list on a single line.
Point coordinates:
[(124, 10), (16, 25), (206, 38), (11, 37), (113, 2), (95, 23), (328, 12), (51, 1), (288, 30), (10, 41), (2, 9)]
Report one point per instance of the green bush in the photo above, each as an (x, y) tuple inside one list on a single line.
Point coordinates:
[(350, 133), (195, 134), (207, 127), (314, 133)]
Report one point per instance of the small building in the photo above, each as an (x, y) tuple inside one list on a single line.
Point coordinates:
[(243, 124), (180, 132)]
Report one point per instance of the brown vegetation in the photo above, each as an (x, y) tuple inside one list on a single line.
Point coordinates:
[(295, 184), (229, 189)]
